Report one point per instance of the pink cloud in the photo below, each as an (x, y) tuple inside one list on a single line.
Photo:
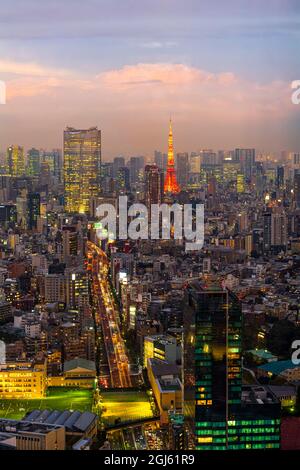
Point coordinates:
[(210, 109), (163, 73), (196, 90), (28, 87), (29, 69)]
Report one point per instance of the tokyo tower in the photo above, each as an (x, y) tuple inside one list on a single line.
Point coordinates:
[(171, 185)]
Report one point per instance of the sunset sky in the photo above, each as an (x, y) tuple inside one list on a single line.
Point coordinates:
[(221, 69)]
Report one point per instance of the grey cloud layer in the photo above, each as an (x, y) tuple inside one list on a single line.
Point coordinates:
[(96, 18)]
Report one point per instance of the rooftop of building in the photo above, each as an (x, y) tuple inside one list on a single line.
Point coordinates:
[(162, 368), (206, 286), (262, 354), (258, 394), (277, 367), (74, 421), (283, 390), (169, 385), (16, 426), (21, 366), (176, 418), (79, 363), (163, 339)]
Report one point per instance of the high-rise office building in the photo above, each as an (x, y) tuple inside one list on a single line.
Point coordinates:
[(267, 224), (208, 157), (246, 158), (240, 183), (123, 179), (220, 413), (70, 242), (297, 189), (33, 210), (45, 177), (107, 169), (280, 177), (182, 168), (296, 159), (33, 162), (118, 163), (77, 291), (161, 160), (153, 185), (53, 159), (230, 171), (195, 163), (212, 186), (107, 181), (136, 167), (82, 167), (279, 231), (194, 178), (8, 214), (275, 230), (15, 160)]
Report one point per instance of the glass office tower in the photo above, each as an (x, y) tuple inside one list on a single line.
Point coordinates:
[(15, 161), (219, 412), (82, 168), (33, 210), (33, 162)]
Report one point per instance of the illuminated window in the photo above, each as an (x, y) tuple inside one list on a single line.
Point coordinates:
[(205, 439)]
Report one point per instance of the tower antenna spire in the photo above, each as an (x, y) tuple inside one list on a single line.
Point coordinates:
[(171, 185)]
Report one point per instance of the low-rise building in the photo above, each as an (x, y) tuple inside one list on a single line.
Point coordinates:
[(262, 355), (77, 373), (285, 369), (286, 394), (166, 386), (22, 380), (76, 424), (24, 435), (161, 347)]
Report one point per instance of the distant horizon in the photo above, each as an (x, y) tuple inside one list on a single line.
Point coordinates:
[(149, 156)]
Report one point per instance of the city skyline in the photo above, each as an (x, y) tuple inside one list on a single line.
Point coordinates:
[(279, 155), (221, 72)]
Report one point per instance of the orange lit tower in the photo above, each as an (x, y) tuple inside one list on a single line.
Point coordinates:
[(171, 185)]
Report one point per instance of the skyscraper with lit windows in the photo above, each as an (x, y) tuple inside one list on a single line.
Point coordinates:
[(246, 159), (182, 168), (221, 413), (15, 161), (33, 162), (153, 185), (82, 167), (33, 210), (297, 189)]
